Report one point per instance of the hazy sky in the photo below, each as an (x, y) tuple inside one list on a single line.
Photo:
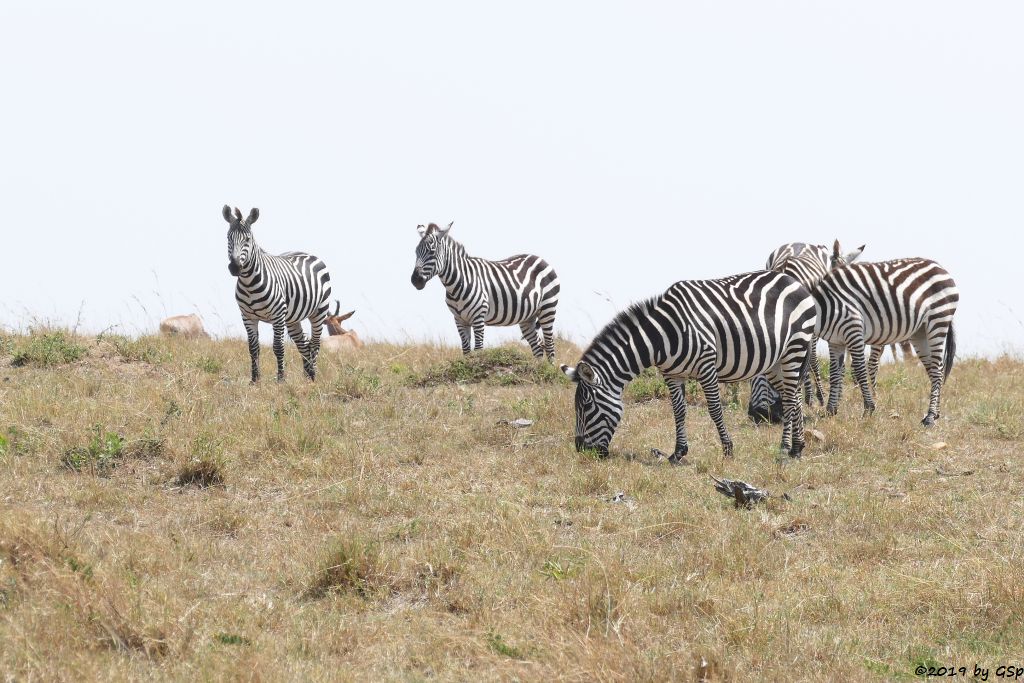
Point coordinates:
[(630, 144)]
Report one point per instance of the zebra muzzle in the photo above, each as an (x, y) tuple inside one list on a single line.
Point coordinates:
[(418, 281), (233, 268)]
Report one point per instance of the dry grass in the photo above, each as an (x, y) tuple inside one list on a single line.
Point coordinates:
[(365, 527)]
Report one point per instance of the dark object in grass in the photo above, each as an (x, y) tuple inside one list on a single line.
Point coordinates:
[(742, 493), (200, 473), (766, 414)]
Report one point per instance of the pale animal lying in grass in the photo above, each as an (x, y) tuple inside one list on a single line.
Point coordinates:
[(190, 326), (339, 338)]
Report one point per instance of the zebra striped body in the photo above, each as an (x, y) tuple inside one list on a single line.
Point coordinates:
[(911, 299), (281, 290), (725, 330), (808, 263), (521, 290)]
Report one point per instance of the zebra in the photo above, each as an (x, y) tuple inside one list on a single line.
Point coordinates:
[(729, 329), (808, 263), (519, 290), (282, 290), (884, 303)]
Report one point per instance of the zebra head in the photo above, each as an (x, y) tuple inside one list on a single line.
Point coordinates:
[(428, 254), (241, 243), (839, 259), (765, 402), (598, 408)]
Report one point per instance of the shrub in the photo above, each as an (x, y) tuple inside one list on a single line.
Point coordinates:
[(100, 455), (504, 366), (48, 350)]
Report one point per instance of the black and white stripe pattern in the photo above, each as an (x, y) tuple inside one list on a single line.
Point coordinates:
[(521, 290), (808, 263), (912, 299), (281, 290), (725, 330)]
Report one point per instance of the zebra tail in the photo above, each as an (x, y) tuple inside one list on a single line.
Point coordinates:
[(947, 361)]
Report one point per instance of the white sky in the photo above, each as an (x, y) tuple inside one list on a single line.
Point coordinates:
[(630, 144)]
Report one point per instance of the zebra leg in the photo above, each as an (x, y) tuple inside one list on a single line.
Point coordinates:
[(677, 389), (316, 326), (463, 335), (836, 371), (252, 331), (529, 329), (876, 355), (787, 375), (815, 372), (860, 373), (931, 354), (546, 320), (295, 332), (709, 382), (279, 348), (478, 335)]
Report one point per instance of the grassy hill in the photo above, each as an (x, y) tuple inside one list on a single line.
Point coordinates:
[(161, 518)]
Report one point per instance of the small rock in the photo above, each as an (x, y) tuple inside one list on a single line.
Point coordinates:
[(816, 435), (939, 445), (894, 415)]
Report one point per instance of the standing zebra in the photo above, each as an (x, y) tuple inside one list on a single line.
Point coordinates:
[(281, 290), (808, 263), (885, 303), (727, 330), (519, 290)]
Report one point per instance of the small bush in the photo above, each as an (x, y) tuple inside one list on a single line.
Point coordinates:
[(649, 385), (100, 455), (353, 565), (504, 366), (355, 384), (48, 350)]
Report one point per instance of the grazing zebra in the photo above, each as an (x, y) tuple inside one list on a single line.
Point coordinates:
[(911, 299), (281, 290), (519, 290), (726, 330), (808, 263)]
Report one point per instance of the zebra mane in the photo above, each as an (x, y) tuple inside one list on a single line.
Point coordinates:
[(456, 246), (621, 321)]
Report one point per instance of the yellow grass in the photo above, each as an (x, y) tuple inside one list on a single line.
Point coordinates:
[(160, 518)]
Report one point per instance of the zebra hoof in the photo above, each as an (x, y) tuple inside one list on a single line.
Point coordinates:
[(727, 450), (796, 451), (928, 421), (679, 457), (831, 410)]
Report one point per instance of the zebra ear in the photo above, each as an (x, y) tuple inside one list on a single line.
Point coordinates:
[(855, 254), (586, 373), (254, 216), (569, 371), (238, 214), (227, 213), (422, 230), (446, 230)]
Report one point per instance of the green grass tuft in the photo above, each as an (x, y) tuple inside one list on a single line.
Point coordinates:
[(47, 350)]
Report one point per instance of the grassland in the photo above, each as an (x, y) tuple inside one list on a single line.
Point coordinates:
[(160, 518)]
